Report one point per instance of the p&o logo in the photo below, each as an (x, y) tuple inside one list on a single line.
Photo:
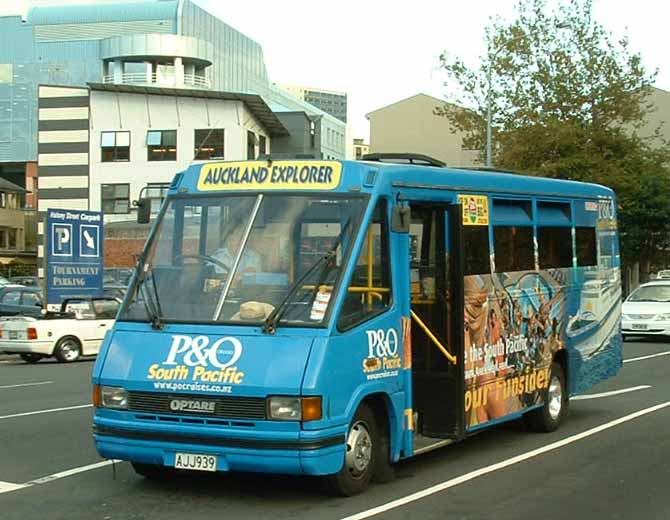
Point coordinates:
[(382, 343), (382, 354), (201, 360), (197, 351)]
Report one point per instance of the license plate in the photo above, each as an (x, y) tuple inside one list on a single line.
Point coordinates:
[(195, 462), (13, 334), (639, 326)]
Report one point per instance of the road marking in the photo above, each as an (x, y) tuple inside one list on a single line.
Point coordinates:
[(70, 472), (501, 465), (607, 394), (27, 384), (24, 414), (6, 487), (647, 357)]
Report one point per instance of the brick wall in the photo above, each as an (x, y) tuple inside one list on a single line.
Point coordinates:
[(122, 252)]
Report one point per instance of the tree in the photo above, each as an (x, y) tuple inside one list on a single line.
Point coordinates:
[(567, 102)]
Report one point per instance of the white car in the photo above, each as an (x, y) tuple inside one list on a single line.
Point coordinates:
[(646, 312), (77, 330)]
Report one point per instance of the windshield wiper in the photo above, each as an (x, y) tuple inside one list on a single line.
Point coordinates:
[(151, 303), (270, 323)]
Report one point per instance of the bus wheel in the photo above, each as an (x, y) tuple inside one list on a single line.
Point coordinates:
[(361, 455), (152, 471), (555, 408)]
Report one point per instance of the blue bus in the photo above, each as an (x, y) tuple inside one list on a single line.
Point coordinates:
[(331, 318)]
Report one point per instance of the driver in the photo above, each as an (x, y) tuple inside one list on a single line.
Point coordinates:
[(250, 261)]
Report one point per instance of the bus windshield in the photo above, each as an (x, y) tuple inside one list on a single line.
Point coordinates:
[(236, 258)]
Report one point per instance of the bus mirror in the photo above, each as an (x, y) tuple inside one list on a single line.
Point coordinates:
[(144, 211), (400, 219)]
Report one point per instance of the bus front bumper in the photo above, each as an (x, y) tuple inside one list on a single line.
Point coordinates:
[(320, 455)]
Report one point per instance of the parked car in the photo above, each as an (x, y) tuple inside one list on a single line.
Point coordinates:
[(4, 281), (117, 275), (115, 291), (28, 281), (663, 274), (77, 330), (646, 312), (18, 300)]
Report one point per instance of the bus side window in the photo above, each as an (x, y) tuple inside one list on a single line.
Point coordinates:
[(554, 247), (476, 250), (514, 249), (586, 246), (369, 292)]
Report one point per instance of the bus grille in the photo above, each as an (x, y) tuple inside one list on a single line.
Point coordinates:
[(228, 406)]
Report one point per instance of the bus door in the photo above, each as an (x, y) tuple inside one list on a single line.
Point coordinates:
[(437, 319)]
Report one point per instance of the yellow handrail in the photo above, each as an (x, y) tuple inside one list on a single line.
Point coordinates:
[(432, 337)]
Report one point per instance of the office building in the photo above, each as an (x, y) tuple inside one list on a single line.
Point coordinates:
[(161, 43), (330, 101)]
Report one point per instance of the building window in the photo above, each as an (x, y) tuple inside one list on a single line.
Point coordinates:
[(251, 145), (162, 145), (156, 191), (209, 144), (262, 149), (115, 146), (115, 198)]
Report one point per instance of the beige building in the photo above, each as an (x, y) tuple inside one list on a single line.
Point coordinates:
[(411, 126), (659, 116)]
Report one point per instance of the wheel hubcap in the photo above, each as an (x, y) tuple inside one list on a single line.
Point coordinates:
[(70, 350), (359, 449), (555, 397)]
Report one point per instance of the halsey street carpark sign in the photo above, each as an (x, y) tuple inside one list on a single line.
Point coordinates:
[(75, 260)]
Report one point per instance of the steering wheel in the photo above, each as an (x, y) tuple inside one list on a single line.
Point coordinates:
[(205, 258)]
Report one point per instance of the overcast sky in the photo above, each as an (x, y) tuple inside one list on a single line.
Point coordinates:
[(381, 51)]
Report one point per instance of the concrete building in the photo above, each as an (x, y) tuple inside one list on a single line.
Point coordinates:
[(330, 101), (102, 147), (361, 148), (17, 225), (161, 43), (659, 118), (410, 125)]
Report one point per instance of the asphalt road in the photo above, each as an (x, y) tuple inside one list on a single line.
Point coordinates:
[(611, 459)]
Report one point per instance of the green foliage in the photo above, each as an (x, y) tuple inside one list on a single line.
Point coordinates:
[(567, 102)]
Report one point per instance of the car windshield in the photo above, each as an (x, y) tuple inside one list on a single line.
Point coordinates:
[(651, 293), (235, 259)]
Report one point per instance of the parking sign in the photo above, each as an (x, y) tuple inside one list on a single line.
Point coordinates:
[(74, 256)]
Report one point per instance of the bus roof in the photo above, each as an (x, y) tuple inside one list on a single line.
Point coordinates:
[(369, 177)]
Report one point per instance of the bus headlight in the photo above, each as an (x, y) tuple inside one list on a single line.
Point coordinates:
[(289, 408), (284, 408), (114, 397)]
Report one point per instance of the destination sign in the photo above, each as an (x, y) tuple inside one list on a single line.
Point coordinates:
[(277, 175)]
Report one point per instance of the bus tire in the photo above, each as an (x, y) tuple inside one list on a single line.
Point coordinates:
[(151, 471), (548, 418), (68, 349), (360, 458)]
